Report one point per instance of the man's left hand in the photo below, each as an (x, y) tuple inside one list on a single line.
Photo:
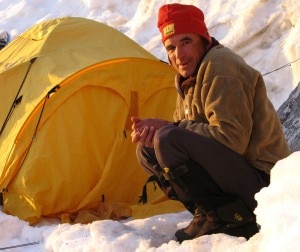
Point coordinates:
[(144, 129)]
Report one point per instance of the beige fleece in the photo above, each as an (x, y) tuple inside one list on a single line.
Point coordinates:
[(228, 102)]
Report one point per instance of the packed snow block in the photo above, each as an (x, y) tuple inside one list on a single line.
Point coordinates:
[(289, 114)]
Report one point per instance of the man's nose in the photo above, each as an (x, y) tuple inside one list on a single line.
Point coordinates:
[(179, 53)]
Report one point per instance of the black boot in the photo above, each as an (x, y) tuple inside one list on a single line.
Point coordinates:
[(193, 228), (234, 219)]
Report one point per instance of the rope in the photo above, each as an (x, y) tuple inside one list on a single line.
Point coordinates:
[(20, 245), (286, 65)]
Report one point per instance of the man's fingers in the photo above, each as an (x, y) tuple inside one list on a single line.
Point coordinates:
[(149, 138), (143, 135), (135, 136), (135, 119)]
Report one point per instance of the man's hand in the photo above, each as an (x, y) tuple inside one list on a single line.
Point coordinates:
[(143, 129)]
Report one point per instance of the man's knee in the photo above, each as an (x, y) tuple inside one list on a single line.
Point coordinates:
[(138, 150), (144, 153), (164, 136)]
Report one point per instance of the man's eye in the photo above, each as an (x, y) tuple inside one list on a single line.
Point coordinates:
[(185, 42), (170, 49)]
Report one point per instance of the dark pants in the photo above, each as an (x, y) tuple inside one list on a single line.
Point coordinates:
[(221, 174)]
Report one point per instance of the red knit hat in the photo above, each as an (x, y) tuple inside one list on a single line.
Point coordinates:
[(176, 19)]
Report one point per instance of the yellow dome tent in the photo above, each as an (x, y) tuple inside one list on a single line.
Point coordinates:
[(68, 89)]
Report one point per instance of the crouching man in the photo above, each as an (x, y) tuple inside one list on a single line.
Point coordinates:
[(226, 136)]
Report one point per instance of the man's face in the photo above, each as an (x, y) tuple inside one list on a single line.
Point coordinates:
[(185, 52)]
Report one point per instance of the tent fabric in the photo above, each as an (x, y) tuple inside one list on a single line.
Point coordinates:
[(65, 150), (61, 47)]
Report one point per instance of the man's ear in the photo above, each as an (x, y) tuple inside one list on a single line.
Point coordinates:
[(205, 43)]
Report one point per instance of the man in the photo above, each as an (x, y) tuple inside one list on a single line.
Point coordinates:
[(3, 39), (226, 136)]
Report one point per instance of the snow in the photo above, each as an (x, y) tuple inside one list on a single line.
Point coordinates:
[(266, 34)]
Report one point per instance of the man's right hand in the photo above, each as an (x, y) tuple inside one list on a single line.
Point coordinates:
[(143, 130)]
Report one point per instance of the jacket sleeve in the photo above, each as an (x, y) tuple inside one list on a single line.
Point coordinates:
[(228, 109)]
